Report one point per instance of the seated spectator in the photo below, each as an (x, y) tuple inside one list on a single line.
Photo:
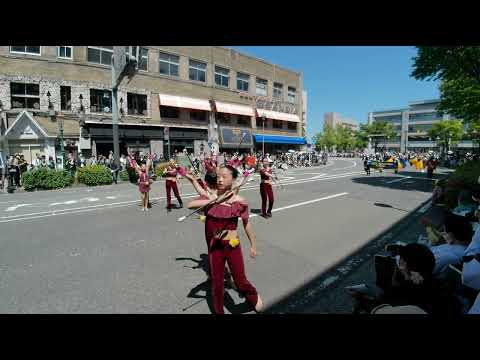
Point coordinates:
[(458, 235), (438, 191), (413, 284), (465, 203)]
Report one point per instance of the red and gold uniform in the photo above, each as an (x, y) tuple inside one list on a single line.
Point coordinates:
[(171, 184), (266, 191), (224, 246)]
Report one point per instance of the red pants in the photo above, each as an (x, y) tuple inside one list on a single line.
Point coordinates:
[(266, 191), (233, 256), (172, 185)]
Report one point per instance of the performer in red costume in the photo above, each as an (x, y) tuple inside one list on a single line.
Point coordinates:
[(267, 178), (171, 184), (222, 238)]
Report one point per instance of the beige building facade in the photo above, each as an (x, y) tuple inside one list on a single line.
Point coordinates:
[(193, 97), (333, 119)]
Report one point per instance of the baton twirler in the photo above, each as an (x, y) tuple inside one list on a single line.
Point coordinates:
[(217, 200)]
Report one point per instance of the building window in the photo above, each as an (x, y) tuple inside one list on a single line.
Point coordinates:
[(292, 93), (65, 98), (169, 64), (28, 50), (292, 126), (25, 96), (243, 120), (197, 71), (389, 118), (169, 112), (277, 124), (242, 82), (100, 55), (223, 118), (100, 101), (221, 76), (136, 104), (64, 52), (198, 115), (260, 122), (277, 90), (261, 87), (426, 116), (142, 59)]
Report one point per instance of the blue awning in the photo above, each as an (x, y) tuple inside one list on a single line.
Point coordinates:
[(277, 139)]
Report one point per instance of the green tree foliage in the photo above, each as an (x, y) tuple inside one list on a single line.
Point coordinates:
[(46, 179), (447, 132), (458, 69), (327, 138), (378, 131)]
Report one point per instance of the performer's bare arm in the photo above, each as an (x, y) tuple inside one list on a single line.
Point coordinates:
[(195, 204)]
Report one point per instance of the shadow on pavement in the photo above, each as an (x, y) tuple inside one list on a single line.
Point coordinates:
[(310, 294), (205, 287), (405, 181)]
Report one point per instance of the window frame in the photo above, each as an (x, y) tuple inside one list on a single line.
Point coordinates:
[(99, 49), (197, 112), (25, 95), (170, 108), (294, 94), (247, 81), (140, 57), (277, 122), (25, 52), (137, 102), (61, 99), (190, 67), (100, 112), (65, 57), (222, 76), (292, 125), (256, 87), (170, 63), (240, 119), (277, 89)]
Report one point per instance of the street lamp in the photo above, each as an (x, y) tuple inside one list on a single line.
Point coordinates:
[(263, 135), (448, 143)]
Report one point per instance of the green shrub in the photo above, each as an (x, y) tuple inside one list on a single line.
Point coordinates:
[(160, 168), (124, 175), (464, 177), (94, 175), (46, 179), (132, 175)]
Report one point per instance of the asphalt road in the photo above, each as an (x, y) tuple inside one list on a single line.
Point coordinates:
[(91, 250)]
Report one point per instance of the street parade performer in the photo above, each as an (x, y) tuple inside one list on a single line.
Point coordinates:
[(223, 207), (170, 173), (267, 177), (210, 166)]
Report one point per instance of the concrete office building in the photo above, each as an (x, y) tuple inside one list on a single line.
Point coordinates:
[(333, 119), (412, 124), (203, 97)]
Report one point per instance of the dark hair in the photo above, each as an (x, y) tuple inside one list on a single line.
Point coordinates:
[(460, 227), (232, 170), (465, 197), (419, 258)]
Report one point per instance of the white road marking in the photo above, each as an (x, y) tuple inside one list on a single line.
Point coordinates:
[(111, 197), (37, 215), (69, 202), (304, 203), (92, 199), (397, 180), (15, 207)]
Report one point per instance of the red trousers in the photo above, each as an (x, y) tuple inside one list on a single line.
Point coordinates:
[(233, 256), (266, 191), (172, 185)]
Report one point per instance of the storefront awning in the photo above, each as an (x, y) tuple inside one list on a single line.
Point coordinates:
[(278, 115), (184, 102), (234, 109), (277, 139)]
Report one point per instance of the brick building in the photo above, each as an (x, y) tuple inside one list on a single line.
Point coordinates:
[(203, 96)]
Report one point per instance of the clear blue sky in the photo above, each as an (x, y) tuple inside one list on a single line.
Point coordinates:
[(350, 80)]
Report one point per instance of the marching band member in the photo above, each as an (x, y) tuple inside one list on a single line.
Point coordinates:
[(222, 238), (210, 171), (266, 176), (171, 184)]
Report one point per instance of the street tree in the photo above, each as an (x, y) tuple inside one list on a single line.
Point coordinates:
[(458, 69), (326, 139), (378, 132), (447, 132)]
